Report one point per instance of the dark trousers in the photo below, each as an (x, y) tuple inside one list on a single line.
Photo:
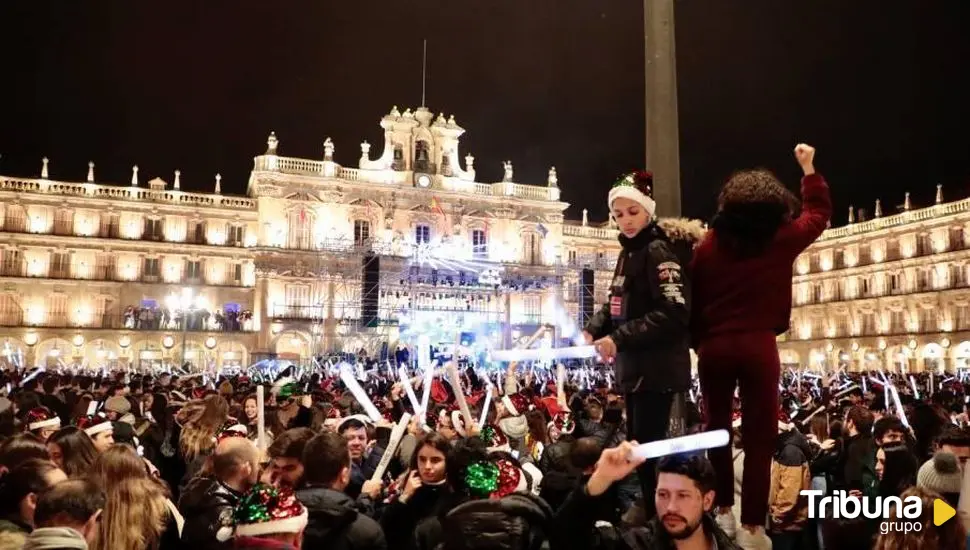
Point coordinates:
[(647, 419), (750, 361)]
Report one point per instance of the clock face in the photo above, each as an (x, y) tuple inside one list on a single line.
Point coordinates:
[(424, 180)]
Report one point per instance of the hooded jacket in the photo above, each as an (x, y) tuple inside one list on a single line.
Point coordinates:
[(335, 524), (788, 510), (648, 316)]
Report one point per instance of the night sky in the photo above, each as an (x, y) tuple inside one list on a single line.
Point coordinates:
[(879, 87)]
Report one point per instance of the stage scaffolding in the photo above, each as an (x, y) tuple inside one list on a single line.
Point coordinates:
[(414, 295)]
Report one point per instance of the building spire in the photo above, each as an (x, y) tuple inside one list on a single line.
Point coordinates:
[(44, 173), (907, 204), (939, 193), (178, 180), (91, 172), (134, 176), (218, 184), (851, 214), (424, 72), (878, 212)]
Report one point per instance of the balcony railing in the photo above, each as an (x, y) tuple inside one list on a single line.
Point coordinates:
[(93, 190), (18, 224), (17, 318), (319, 168), (106, 272)]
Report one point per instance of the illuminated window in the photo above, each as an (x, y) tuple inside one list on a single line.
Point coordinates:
[(422, 234), (480, 243)]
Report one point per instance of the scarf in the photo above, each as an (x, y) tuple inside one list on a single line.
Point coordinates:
[(49, 538)]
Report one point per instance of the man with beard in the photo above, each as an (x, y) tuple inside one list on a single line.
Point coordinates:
[(684, 496)]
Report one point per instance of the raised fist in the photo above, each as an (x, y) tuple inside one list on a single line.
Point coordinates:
[(805, 155)]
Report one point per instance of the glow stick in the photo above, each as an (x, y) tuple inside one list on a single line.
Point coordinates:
[(809, 417), (452, 372), (544, 354), (397, 433), (426, 390), (32, 375), (347, 377), (92, 408), (406, 382), (561, 383), (899, 407), (260, 419), (931, 382), (683, 444), (486, 405), (912, 382), (865, 390)]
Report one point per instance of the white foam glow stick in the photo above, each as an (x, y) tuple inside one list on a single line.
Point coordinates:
[(684, 444), (544, 354), (347, 377), (899, 407), (561, 384), (397, 433), (912, 382), (865, 390), (406, 382), (452, 371), (486, 405), (260, 419), (426, 390), (32, 375)]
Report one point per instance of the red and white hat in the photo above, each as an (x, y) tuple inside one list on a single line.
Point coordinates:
[(39, 418), (563, 422), (94, 424)]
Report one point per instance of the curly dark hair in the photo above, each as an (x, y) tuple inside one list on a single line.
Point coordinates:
[(752, 206)]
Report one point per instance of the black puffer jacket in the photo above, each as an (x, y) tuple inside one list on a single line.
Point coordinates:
[(335, 524), (517, 522), (651, 318), (207, 506)]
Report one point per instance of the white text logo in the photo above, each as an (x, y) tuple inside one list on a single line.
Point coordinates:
[(907, 517)]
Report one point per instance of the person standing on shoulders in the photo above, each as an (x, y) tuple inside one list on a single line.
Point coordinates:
[(742, 290), (644, 328)]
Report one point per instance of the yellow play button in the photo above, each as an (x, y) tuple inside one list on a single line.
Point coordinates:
[(942, 512)]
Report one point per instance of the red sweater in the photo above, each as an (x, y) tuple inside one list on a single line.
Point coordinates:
[(733, 294)]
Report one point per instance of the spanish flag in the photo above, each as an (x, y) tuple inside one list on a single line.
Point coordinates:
[(436, 206)]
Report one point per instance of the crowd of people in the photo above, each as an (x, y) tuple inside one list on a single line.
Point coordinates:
[(525, 457)]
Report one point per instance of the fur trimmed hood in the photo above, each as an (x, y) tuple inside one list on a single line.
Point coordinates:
[(684, 235), (683, 229)]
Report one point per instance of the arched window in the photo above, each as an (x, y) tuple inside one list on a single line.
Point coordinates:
[(300, 234), (422, 156)]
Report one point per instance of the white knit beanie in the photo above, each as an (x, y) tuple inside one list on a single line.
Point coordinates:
[(940, 474)]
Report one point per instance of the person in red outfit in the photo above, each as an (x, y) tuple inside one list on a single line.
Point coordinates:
[(742, 291)]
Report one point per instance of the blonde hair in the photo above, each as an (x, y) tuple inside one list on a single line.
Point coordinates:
[(951, 534), (199, 429), (134, 517), (136, 505)]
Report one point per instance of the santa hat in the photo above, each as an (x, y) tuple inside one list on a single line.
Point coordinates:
[(563, 422), (94, 424), (41, 417), (516, 404), (494, 439), (231, 428), (636, 186), (265, 510)]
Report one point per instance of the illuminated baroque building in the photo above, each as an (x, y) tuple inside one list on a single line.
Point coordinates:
[(318, 257), (892, 292)]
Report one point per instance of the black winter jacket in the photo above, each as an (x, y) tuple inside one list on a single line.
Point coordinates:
[(650, 317), (335, 524), (207, 506)]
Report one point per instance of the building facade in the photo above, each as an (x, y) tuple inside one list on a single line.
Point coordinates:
[(318, 257), (892, 293)]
